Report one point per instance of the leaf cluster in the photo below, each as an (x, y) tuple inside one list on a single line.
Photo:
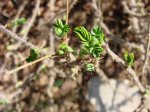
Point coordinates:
[(90, 67), (60, 28), (64, 48), (92, 42), (33, 55), (18, 22), (129, 58)]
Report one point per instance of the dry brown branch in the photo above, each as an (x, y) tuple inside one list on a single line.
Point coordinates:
[(72, 3), (16, 37), (129, 69), (65, 39), (20, 10), (131, 12), (30, 23), (99, 71), (113, 55), (147, 52), (20, 39), (29, 64), (133, 20)]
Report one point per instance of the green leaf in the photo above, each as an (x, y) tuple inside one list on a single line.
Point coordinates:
[(129, 58), (33, 55), (83, 34), (20, 21), (60, 28), (60, 52), (90, 67), (58, 83), (97, 51), (17, 22), (98, 33), (64, 48)]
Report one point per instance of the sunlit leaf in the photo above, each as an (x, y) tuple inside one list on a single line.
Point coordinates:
[(60, 28), (129, 58), (90, 67)]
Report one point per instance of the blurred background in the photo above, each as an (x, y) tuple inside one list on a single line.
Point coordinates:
[(51, 85)]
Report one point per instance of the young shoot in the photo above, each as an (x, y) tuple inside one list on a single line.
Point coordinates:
[(129, 58)]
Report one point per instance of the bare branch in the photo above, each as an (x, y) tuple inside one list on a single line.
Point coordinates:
[(16, 37), (20, 10), (20, 39), (29, 64), (30, 23), (147, 52), (132, 13), (129, 69)]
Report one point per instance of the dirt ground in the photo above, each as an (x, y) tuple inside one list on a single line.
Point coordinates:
[(53, 85)]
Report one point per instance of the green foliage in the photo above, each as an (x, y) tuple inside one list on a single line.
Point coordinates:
[(97, 50), (60, 28), (83, 34), (98, 33), (64, 48), (18, 22), (33, 55), (90, 67), (91, 41), (129, 58), (58, 83), (60, 52)]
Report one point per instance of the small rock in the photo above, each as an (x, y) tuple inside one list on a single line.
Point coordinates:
[(113, 96)]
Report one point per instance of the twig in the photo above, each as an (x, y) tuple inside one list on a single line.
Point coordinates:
[(113, 55), (30, 23), (99, 71), (49, 90), (29, 64), (16, 37), (147, 52), (51, 41), (116, 57), (129, 69), (21, 8), (20, 39), (72, 3), (67, 11), (65, 39), (131, 12), (51, 82)]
